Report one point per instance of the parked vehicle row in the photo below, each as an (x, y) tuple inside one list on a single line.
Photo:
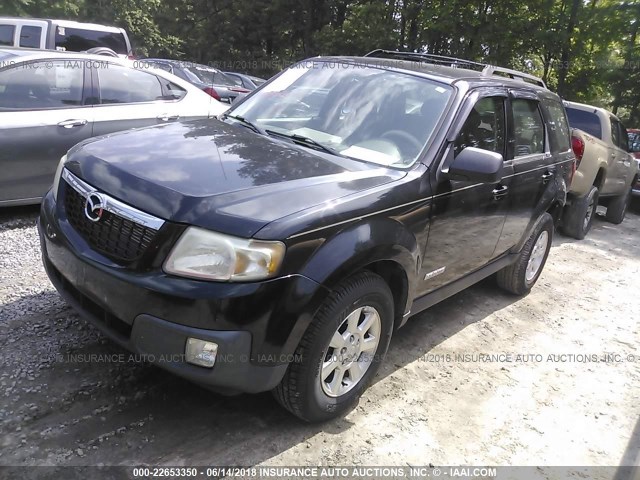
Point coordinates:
[(280, 247), (50, 101), (210, 80)]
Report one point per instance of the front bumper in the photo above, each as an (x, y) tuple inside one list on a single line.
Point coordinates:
[(257, 326)]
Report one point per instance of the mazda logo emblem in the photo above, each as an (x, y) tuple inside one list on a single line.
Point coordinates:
[(94, 206)]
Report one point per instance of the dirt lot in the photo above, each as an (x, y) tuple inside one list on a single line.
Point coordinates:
[(438, 399)]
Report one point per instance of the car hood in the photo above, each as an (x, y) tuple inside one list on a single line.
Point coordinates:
[(217, 176)]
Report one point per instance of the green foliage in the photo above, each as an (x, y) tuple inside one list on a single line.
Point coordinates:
[(588, 50)]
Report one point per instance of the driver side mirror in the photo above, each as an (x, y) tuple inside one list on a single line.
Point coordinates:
[(476, 165)]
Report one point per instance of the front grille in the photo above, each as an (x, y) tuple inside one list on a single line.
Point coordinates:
[(117, 238)]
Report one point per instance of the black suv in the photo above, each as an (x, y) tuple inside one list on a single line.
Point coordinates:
[(280, 246)]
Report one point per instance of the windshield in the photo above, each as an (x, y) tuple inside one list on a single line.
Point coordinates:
[(210, 76), (367, 113)]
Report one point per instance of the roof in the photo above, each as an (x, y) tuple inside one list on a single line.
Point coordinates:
[(445, 74), (17, 54), (589, 108)]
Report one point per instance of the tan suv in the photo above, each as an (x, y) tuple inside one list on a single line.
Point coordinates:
[(606, 170)]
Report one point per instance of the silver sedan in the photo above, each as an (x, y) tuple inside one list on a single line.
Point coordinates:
[(49, 101)]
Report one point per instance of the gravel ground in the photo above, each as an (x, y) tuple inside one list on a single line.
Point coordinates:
[(430, 403)]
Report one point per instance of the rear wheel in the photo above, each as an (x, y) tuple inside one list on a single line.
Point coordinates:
[(578, 217), (341, 351), (519, 277), (617, 208)]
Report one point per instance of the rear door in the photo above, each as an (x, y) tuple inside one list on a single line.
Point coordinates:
[(131, 98), (43, 113), (529, 156)]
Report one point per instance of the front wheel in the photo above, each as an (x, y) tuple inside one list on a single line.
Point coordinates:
[(519, 277), (341, 351)]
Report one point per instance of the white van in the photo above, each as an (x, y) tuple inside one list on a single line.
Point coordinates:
[(62, 35)]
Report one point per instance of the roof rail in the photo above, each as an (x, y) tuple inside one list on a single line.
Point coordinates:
[(427, 58), (515, 74), (486, 70)]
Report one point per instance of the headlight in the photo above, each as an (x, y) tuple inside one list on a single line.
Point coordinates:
[(208, 255), (56, 179)]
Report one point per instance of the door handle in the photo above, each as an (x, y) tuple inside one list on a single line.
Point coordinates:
[(500, 192), (168, 118), (546, 176), (72, 123)]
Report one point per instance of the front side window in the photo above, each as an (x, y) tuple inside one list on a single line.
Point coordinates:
[(6, 34), (484, 127), (42, 85), (126, 85), (615, 132), (30, 36), (357, 111), (528, 128)]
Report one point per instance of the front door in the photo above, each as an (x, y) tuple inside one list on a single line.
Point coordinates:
[(467, 217), (42, 115)]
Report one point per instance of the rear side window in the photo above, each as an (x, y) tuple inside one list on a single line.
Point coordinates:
[(126, 85), (6, 34), (585, 121), (528, 127), (80, 39), (30, 36), (559, 133)]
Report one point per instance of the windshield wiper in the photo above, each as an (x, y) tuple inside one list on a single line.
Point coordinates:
[(246, 123), (306, 141)]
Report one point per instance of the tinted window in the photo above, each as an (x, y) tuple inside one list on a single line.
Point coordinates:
[(528, 128), (585, 121), (484, 127), (558, 127), (30, 36), (79, 39), (6, 34), (127, 85), (42, 85)]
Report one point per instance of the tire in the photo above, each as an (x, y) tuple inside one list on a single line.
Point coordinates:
[(617, 208), (303, 390), (578, 217), (516, 278)]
